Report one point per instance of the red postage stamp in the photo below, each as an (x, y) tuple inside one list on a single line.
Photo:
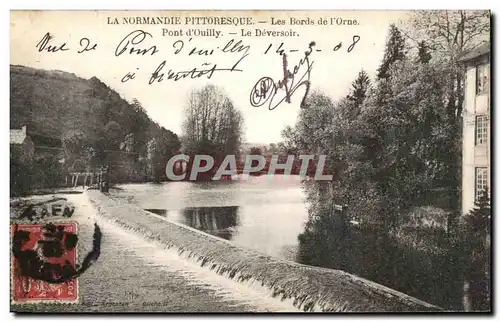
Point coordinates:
[(43, 259)]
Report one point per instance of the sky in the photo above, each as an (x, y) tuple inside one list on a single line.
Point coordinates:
[(332, 71)]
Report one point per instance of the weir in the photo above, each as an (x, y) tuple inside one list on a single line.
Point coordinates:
[(308, 288)]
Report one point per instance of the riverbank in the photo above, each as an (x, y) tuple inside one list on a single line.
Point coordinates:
[(149, 264), (308, 288)]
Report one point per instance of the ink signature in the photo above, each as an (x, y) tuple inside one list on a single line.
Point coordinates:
[(265, 90)]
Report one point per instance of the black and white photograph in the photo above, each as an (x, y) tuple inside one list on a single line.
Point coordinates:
[(224, 161)]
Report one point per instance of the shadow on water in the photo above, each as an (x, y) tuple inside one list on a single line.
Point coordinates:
[(218, 221), (161, 212)]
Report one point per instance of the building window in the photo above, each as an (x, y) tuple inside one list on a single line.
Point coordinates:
[(481, 181), (482, 84), (481, 129)]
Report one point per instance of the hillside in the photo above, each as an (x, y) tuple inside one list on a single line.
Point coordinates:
[(54, 102), (95, 125)]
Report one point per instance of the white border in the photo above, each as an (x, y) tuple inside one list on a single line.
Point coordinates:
[(194, 4), (246, 5)]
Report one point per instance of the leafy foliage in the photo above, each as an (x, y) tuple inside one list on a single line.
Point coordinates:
[(212, 124), (424, 56), (476, 236), (391, 145), (94, 123), (395, 50)]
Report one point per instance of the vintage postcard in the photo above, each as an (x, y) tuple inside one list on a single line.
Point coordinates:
[(250, 161)]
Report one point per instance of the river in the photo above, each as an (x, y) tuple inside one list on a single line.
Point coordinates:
[(262, 213)]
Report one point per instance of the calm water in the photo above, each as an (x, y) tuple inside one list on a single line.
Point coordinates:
[(259, 213)]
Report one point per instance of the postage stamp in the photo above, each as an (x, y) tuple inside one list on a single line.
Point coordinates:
[(43, 257)]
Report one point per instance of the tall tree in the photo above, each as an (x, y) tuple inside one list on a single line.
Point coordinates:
[(160, 148), (322, 242), (359, 91), (395, 49), (449, 35), (424, 56), (477, 233), (211, 123)]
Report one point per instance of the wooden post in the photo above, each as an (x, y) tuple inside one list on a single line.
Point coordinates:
[(91, 179), (76, 179), (466, 301), (105, 179)]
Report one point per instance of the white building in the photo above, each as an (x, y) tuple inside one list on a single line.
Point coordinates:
[(476, 164)]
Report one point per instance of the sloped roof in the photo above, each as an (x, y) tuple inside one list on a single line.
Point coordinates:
[(476, 52), (17, 136)]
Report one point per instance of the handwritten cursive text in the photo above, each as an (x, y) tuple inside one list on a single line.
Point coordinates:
[(265, 90), (136, 37)]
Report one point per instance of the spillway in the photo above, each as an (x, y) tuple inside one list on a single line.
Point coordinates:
[(283, 285)]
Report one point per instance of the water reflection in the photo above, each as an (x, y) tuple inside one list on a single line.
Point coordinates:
[(269, 214), (218, 221)]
